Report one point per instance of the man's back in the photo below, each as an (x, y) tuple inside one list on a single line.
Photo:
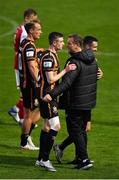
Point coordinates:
[(82, 93)]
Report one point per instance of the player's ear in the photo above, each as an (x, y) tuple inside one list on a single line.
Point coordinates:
[(31, 31), (26, 20), (54, 43)]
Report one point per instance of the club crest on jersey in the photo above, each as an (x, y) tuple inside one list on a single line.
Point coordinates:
[(47, 64), (36, 103), (54, 109), (29, 53)]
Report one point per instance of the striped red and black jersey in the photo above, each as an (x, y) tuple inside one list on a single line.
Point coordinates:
[(27, 52), (49, 62), (19, 35)]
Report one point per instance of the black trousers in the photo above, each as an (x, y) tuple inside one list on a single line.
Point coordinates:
[(76, 121)]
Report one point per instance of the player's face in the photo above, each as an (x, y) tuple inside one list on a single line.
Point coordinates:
[(94, 46), (59, 43), (71, 46), (36, 31)]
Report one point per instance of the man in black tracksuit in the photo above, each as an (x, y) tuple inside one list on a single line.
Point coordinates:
[(79, 92), (89, 42)]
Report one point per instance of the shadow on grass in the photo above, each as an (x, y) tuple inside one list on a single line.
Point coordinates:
[(15, 160), (11, 123), (9, 147), (63, 165), (23, 161)]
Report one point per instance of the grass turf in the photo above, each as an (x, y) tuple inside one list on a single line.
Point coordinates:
[(98, 18)]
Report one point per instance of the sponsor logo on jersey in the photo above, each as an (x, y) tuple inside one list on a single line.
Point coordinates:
[(47, 64), (30, 54)]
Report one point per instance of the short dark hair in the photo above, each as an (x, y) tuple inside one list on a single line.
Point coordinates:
[(89, 39), (53, 36), (77, 39), (29, 12), (31, 25)]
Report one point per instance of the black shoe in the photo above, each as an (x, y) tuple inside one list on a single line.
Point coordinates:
[(84, 165), (75, 161)]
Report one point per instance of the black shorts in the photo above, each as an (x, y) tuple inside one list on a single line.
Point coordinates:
[(30, 97), (48, 110)]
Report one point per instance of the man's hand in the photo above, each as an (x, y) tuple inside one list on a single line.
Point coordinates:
[(70, 67), (47, 98), (99, 73), (88, 126)]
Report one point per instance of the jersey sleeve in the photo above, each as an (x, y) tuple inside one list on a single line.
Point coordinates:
[(17, 37), (48, 63), (30, 52), (23, 34)]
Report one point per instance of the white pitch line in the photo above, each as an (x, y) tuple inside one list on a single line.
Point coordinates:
[(10, 21)]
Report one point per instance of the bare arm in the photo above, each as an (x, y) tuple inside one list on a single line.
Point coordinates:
[(51, 78), (32, 69)]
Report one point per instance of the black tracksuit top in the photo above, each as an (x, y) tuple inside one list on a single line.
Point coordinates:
[(79, 86)]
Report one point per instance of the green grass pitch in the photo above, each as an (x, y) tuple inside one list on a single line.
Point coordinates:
[(89, 17)]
